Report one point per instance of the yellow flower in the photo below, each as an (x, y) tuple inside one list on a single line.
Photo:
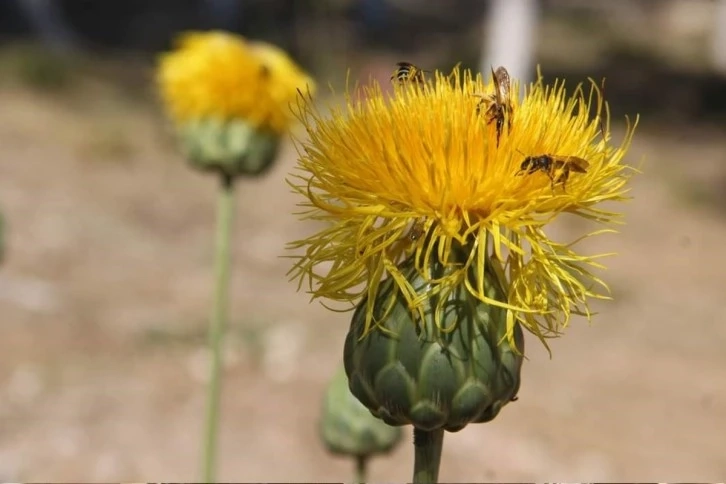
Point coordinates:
[(222, 76), (421, 171)]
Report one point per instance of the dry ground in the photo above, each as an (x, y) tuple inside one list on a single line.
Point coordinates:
[(104, 296)]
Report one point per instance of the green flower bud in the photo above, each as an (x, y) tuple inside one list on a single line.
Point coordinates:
[(411, 372), (233, 147), (348, 428)]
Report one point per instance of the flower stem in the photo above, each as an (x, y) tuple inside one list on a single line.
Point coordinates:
[(222, 262), (427, 455), (360, 469)]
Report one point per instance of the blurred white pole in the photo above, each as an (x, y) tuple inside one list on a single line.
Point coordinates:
[(510, 38), (718, 41)]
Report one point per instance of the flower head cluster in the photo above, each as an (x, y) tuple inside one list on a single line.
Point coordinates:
[(423, 171), (223, 76)]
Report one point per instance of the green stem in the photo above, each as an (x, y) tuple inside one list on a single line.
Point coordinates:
[(222, 263), (427, 455), (360, 469)]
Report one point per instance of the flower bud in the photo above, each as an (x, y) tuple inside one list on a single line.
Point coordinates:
[(428, 373), (348, 428), (233, 147)]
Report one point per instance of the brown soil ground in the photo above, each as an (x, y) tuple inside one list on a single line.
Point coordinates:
[(105, 290)]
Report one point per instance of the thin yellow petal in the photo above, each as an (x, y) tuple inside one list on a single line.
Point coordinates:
[(423, 156)]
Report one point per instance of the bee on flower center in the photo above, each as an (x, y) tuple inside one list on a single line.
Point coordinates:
[(500, 103), (407, 72), (556, 167)]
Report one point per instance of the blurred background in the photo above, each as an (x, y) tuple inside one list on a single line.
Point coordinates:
[(106, 280)]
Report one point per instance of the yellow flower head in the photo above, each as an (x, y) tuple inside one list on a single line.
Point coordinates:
[(422, 171), (223, 76)]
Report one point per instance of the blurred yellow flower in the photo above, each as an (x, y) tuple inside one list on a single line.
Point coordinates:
[(421, 171), (223, 76)]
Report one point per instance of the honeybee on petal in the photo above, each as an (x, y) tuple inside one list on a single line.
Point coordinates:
[(407, 72), (500, 103), (556, 167)]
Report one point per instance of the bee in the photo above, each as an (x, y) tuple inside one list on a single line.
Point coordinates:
[(406, 243), (500, 104), (557, 168), (406, 71), (416, 231)]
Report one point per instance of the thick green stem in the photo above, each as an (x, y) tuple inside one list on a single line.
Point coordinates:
[(361, 462), (427, 455), (222, 263)]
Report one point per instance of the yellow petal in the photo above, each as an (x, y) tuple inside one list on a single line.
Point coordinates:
[(221, 75), (425, 156)]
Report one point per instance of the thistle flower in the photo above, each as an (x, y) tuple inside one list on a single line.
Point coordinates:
[(229, 98), (435, 234), (230, 101), (421, 173)]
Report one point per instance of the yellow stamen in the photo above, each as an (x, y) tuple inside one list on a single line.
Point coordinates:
[(378, 165)]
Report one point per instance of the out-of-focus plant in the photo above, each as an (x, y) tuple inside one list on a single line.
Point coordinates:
[(229, 99), (348, 428), (436, 236), (38, 67)]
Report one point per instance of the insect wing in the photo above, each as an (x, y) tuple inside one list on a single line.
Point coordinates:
[(577, 164), (502, 84)]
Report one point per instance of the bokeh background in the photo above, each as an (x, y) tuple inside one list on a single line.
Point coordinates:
[(106, 280)]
